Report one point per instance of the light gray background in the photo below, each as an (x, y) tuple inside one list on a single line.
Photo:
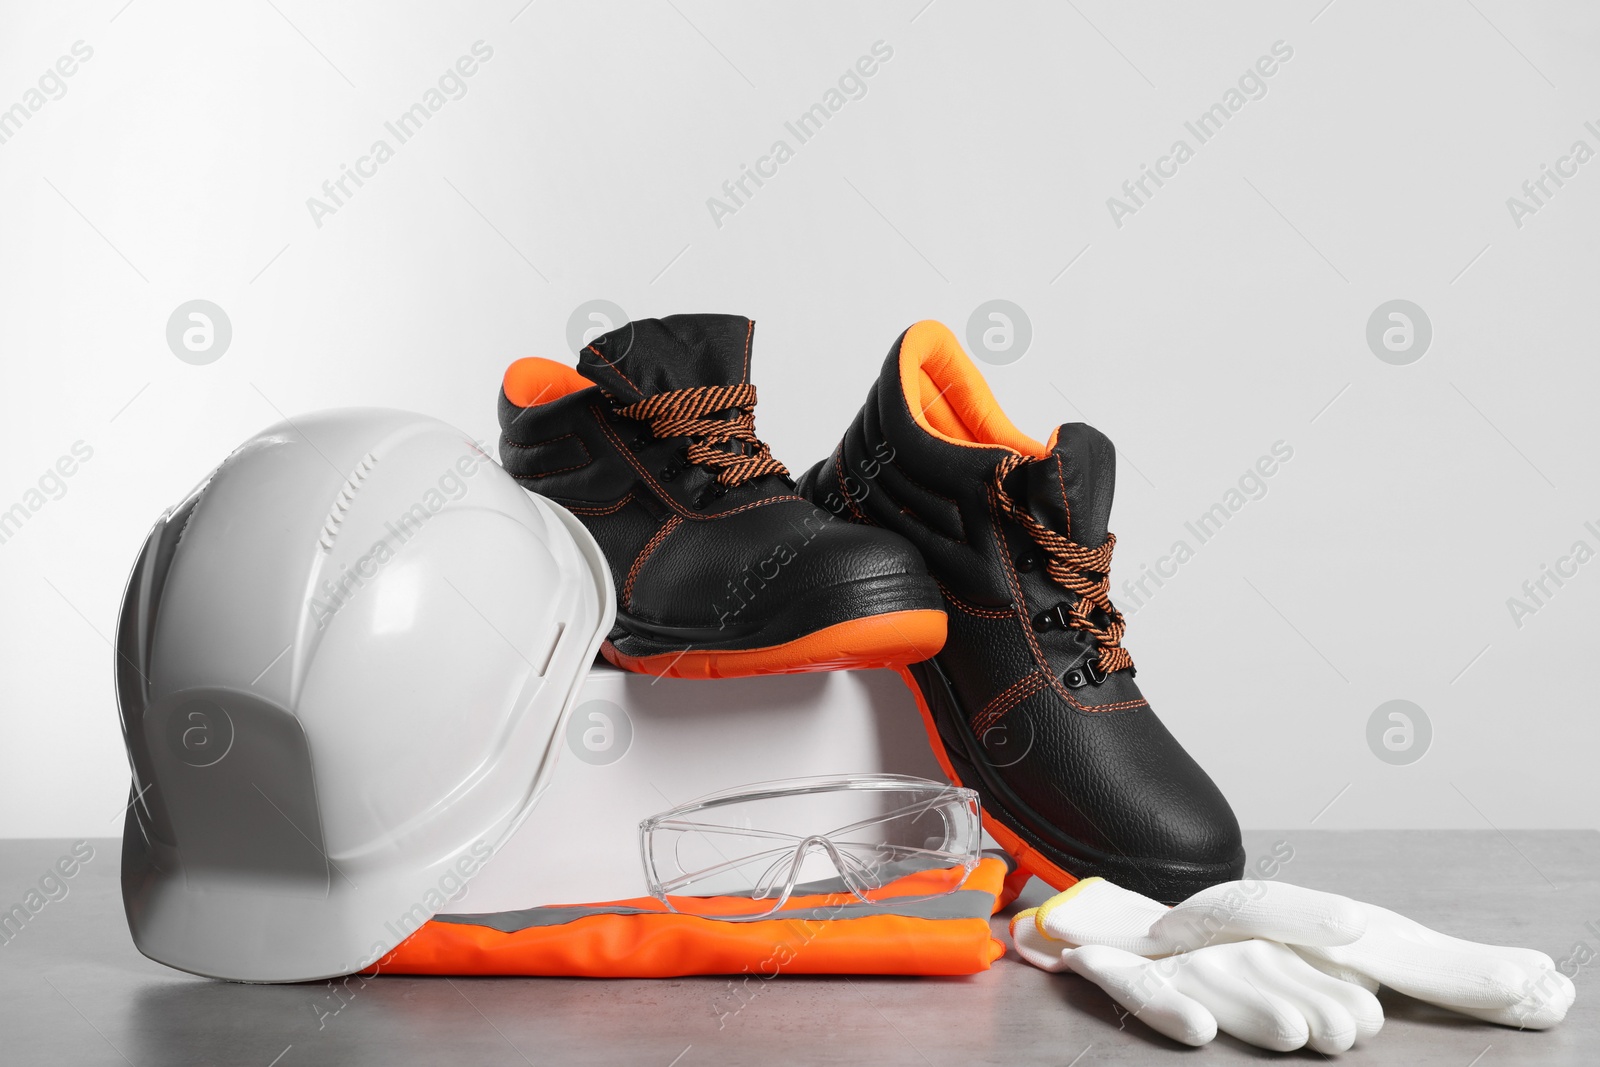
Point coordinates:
[(1228, 314)]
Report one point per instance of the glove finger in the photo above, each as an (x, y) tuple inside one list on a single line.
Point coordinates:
[(1393, 925), (1449, 971), (1337, 1013), (1033, 946), (1139, 986), (1447, 976), (1550, 996), (1358, 998), (1315, 959), (1274, 911), (1216, 978)]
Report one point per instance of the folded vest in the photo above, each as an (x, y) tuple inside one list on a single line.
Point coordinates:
[(818, 933)]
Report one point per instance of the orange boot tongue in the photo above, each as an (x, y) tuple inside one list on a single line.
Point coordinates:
[(1070, 490), (651, 356)]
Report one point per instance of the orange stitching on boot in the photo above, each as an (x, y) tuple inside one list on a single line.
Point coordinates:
[(1005, 700), (1026, 855), (587, 457), (609, 509), (648, 479), (972, 609), (1066, 562), (1027, 632), (614, 367), (844, 490), (1061, 484), (990, 717), (654, 543), (683, 413)]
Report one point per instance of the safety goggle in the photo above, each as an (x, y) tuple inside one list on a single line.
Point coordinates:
[(858, 839)]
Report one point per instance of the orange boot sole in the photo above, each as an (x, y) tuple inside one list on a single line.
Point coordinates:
[(1027, 857), (892, 639)]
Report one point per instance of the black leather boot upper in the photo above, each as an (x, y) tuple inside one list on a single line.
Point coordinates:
[(1033, 696), (651, 444)]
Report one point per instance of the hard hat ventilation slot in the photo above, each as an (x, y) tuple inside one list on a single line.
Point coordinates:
[(550, 654), (342, 502)]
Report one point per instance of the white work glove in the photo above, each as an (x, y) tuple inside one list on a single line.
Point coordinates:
[(1258, 991), (1352, 941)]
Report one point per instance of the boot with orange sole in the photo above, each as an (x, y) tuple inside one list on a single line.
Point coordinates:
[(721, 569), (1032, 701)]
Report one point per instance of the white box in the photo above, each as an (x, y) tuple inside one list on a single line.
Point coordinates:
[(638, 745)]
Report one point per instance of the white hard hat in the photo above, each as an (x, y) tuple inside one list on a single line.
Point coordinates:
[(344, 663)]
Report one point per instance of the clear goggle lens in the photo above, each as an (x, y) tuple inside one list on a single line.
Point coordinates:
[(865, 839)]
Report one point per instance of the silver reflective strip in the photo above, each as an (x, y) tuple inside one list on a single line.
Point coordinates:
[(962, 904)]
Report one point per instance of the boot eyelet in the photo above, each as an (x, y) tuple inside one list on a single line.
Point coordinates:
[(1055, 618), (698, 503), (1026, 562), (640, 442), (1088, 674), (668, 473)]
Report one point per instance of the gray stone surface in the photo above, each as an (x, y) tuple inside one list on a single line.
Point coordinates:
[(75, 990)]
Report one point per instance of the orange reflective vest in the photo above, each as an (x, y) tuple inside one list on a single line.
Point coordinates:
[(639, 938)]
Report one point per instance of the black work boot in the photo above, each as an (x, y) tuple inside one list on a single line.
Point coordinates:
[(721, 569), (1032, 702)]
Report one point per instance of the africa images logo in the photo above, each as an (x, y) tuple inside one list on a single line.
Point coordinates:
[(851, 85), (452, 85), (1252, 85)]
